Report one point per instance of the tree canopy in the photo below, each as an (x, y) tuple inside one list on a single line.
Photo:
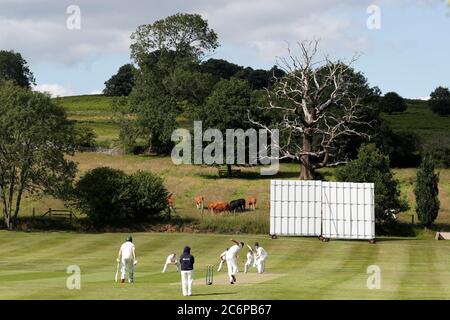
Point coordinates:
[(392, 102), (35, 137), (122, 82), (427, 192), (15, 68), (440, 101), (372, 166), (184, 33)]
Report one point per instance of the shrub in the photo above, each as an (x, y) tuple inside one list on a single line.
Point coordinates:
[(84, 137), (372, 166), (426, 192), (98, 194), (110, 196), (144, 196)]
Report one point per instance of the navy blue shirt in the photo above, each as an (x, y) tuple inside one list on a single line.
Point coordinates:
[(187, 260)]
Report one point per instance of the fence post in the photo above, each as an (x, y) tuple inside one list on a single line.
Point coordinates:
[(34, 213), (412, 219), (49, 212)]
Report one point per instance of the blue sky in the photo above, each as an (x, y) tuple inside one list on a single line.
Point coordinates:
[(408, 54)]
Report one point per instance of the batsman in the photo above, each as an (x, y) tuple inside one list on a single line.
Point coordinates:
[(127, 258)]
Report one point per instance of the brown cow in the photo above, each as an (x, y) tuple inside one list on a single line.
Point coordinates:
[(218, 206), (251, 203), (199, 202), (170, 200)]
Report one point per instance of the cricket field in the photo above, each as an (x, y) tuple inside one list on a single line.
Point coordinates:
[(34, 266)]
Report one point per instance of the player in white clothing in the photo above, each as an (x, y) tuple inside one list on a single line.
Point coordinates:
[(231, 257), (127, 257), (260, 258), (223, 258), (171, 259), (250, 259)]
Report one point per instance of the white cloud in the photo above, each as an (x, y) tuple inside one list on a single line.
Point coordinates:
[(55, 90), (38, 30), (96, 92)]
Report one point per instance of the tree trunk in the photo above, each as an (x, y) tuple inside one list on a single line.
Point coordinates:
[(7, 220), (306, 168)]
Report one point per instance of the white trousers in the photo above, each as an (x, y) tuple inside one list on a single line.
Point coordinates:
[(261, 264), (168, 263), (249, 263), (187, 279), (232, 267), (220, 265), (127, 266)]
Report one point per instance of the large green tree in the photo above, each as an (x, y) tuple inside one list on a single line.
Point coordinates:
[(35, 138), (15, 68), (183, 33), (427, 192), (228, 107), (169, 81)]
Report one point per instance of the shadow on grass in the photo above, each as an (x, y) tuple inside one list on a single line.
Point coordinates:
[(396, 231), (256, 175), (440, 227), (251, 175), (84, 225), (213, 294)]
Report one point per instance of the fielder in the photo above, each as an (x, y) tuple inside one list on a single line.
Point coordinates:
[(250, 259), (171, 259), (260, 258), (223, 258), (231, 257), (127, 257)]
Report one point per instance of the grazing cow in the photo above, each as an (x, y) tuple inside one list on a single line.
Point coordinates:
[(238, 204), (251, 203), (199, 202), (218, 206), (170, 200)]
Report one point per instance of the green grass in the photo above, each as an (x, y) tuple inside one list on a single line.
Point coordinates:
[(99, 103), (95, 112), (33, 266)]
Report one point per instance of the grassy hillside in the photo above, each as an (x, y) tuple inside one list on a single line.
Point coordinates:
[(34, 265), (93, 111), (418, 118)]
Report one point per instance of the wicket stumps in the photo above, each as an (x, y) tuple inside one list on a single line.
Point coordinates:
[(209, 274)]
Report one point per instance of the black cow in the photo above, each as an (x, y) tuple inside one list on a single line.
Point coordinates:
[(238, 204)]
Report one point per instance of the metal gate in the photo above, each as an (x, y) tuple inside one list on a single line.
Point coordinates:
[(331, 209)]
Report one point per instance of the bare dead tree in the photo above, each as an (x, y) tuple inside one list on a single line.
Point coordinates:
[(315, 108)]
